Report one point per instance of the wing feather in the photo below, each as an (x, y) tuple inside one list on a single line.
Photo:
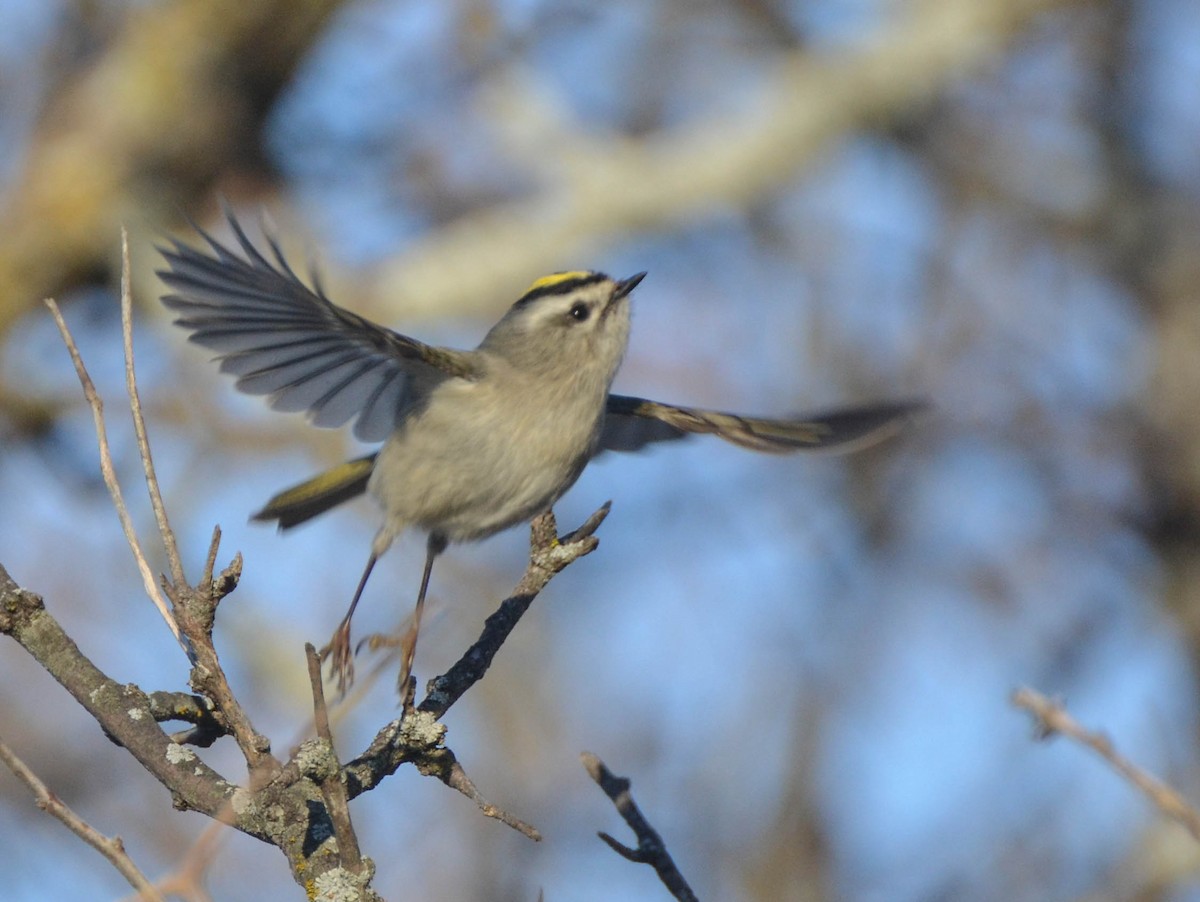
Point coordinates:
[(631, 424), (290, 342)]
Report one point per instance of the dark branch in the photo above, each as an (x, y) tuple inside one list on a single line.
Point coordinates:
[(650, 849), (207, 726), (549, 554)]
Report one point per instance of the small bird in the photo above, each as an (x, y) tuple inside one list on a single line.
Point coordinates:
[(474, 442)]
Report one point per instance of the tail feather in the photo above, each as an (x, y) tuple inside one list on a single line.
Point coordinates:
[(302, 502)]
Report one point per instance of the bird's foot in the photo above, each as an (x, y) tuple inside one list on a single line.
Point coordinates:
[(340, 657)]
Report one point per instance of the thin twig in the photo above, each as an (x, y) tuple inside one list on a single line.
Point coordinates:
[(111, 848), (196, 606), (333, 789), (110, 477), (139, 422), (1051, 717), (456, 778), (650, 849), (192, 621)]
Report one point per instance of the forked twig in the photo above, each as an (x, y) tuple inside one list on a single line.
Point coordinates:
[(650, 849), (416, 736), (110, 478)]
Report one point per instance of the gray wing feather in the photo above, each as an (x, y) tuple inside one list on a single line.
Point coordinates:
[(290, 342), (632, 423)]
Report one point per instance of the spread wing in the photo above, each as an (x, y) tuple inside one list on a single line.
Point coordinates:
[(632, 423), (290, 342)]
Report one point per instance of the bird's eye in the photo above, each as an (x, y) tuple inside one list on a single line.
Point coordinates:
[(579, 312)]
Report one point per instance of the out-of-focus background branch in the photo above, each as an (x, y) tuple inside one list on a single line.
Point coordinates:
[(159, 101), (803, 664)]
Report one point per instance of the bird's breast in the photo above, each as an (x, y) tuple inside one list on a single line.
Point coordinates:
[(484, 456)]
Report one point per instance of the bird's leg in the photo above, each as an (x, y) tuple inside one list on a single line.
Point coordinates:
[(408, 645), (338, 650)]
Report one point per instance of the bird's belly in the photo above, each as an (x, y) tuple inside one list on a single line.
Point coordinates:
[(467, 483)]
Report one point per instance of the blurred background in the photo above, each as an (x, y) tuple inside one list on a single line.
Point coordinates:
[(803, 663)]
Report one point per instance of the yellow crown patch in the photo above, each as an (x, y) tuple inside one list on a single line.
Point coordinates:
[(556, 278)]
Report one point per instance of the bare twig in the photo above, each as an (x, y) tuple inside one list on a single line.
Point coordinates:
[(210, 560), (1051, 717), (333, 789), (650, 849), (442, 763), (457, 779), (196, 607), (416, 738), (139, 422), (286, 815), (111, 848), (122, 710), (110, 478)]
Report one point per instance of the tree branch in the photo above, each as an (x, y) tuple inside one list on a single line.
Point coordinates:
[(111, 848), (651, 849), (329, 776), (139, 422), (191, 616), (549, 554), (123, 712), (416, 736)]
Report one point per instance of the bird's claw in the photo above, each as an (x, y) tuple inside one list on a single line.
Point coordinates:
[(340, 657)]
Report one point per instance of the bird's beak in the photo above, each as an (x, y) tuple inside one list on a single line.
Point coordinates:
[(627, 285)]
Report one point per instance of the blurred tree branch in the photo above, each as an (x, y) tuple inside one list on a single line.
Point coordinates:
[(111, 848), (1052, 718), (176, 96), (192, 80), (594, 187)]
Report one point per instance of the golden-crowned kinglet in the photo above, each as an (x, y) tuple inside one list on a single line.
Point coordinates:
[(473, 441)]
